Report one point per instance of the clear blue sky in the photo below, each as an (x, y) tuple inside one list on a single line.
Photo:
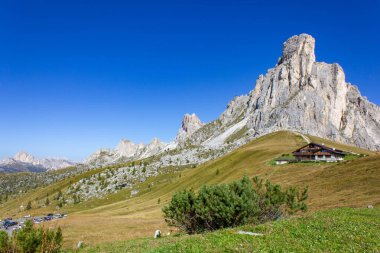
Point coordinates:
[(79, 75)]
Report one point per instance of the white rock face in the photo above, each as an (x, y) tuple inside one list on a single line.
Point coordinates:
[(129, 149), (298, 94), (56, 163), (24, 161), (219, 140), (235, 109), (153, 148), (25, 158), (102, 157), (312, 98), (190, 124)]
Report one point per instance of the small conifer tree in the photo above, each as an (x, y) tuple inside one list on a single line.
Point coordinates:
[(229, 205), (29, 205)]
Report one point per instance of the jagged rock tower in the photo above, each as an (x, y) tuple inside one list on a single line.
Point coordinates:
[(298, 94), (313, 98), (190, 124)]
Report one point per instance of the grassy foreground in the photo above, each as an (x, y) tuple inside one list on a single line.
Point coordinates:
[(335, 230)]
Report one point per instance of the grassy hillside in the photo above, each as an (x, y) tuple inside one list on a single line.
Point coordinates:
[(338, 230), (119, 216)]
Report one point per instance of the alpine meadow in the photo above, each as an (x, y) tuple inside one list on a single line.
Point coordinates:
[(292, 165)]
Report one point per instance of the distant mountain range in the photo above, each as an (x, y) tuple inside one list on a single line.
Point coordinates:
[(298, 94), (24, 162), (126, 149)]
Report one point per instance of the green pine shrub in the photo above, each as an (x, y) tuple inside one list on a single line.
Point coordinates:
[(4, 242), (229, 205), (29, 205), (31, 239)]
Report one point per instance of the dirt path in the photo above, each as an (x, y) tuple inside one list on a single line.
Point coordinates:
[(303, 136)]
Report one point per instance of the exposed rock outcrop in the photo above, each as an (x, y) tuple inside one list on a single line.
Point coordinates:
[(235, 110), (313, 98), (24, 161), (155, 147), (129, 149), (126, 150), (190, 124), (298, 94)]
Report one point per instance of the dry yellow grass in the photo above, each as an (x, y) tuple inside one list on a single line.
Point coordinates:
[(351, 183)]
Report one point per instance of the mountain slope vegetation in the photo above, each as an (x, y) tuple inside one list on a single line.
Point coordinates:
[(121, 215), (337, 230)]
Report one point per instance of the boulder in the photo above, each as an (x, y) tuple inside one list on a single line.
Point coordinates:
[(157, 234)]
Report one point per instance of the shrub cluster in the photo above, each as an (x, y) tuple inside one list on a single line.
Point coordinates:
[(228, 205), (30, 239)]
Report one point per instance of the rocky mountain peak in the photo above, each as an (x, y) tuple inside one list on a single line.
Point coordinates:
[(125, 141), (190, 124), (154, 147), (24, 161), (299, 46), (155, 142), (24, 157), (190, 121), (297, 94), (127, 148), (312, 97)]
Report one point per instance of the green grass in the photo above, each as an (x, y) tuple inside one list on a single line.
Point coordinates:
[(335, 230), (119, 217), (351, 157), (288, 157)]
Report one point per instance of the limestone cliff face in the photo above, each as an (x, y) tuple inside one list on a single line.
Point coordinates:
[(190, 124), (298, 94), (128, 148), (235, 109), (24, 161), (313, 98)]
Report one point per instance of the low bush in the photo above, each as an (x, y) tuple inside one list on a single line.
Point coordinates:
[(31, 239), (229, 205), (4, 242)]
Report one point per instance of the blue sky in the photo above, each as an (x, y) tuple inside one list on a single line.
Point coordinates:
[(79, 75)]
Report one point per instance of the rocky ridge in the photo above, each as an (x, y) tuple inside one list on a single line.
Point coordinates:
[(127, 150), (313, 98), (190, 124), (298, 94), (302, 95), (25, 162)]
